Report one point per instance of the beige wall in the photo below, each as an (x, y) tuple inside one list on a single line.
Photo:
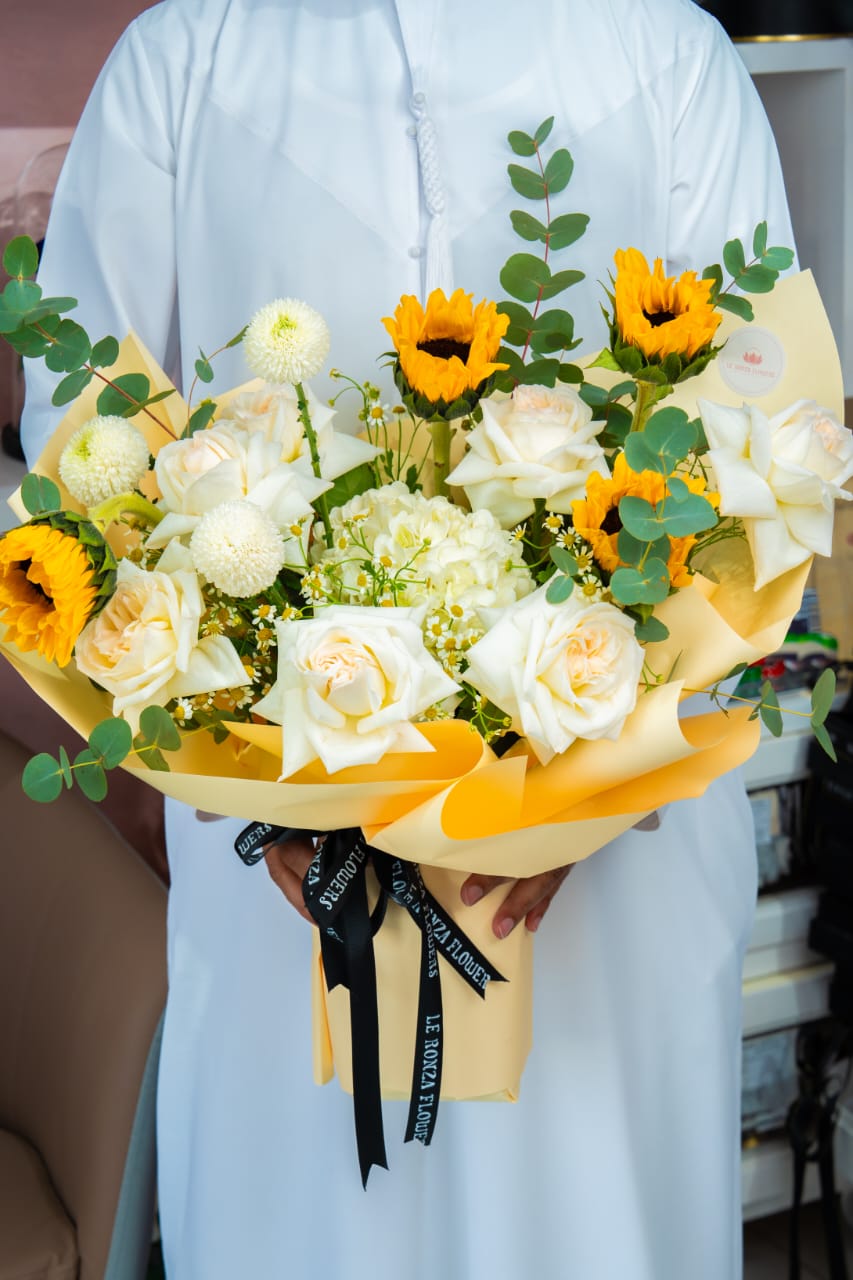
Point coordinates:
[(50, 53)]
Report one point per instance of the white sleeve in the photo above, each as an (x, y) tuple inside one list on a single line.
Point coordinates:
[(725, 170), (111, 238)]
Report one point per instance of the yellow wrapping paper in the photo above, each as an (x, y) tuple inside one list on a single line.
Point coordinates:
[(459, 809)]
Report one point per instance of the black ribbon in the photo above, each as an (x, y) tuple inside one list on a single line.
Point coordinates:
[(335, 891)]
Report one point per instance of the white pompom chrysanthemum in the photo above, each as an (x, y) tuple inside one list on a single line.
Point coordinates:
[(105, 457), (237, 548), (286, 341)]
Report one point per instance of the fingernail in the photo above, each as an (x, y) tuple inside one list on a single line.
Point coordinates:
[(533, 925), (471, 893), (504, 927)]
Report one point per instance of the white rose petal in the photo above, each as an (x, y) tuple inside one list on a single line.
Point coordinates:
[(225, 464), (144, 646), (350, 683), (561, 672), (273, 411), (538, 443), (781, 476)]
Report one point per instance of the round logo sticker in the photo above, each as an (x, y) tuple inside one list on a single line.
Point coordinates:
[(752, 362)]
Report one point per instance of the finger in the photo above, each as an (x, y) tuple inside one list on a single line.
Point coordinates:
[(287, 864), (525, 897), (476, 887)]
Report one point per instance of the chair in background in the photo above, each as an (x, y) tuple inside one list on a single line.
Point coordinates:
[(82, 990)]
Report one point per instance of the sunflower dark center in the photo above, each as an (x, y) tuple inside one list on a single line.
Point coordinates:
[(612, 522), (656, 318), (444, 348)]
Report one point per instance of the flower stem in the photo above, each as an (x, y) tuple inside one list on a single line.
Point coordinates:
[(311, 437), (439, 429), (647, 396)]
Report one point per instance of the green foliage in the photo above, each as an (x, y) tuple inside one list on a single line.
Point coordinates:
[(542, 133), (646, 585), (737, 305), (71, 387), (157, 733), (527, 182), (111, 741), (528, 227), (42, 778), (69, 349), (559, 589), (20, 258), (667, 439), (350, 484), (105, 353), (823, 695), (563, 560), (39, 494), (566, 229), (126, 395), (237, 339), (558, 171), (651, 630), (201, 417), (203, 370), (521, 143), (769, 709)]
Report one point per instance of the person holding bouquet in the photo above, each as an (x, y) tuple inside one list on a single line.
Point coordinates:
[(345, 152)]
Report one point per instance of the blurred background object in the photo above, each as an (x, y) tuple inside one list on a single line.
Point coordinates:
[(774, 19)]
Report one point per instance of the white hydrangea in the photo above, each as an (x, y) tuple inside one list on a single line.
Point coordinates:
[(105, 457), (237, 548), (286, 341), (458, 563)]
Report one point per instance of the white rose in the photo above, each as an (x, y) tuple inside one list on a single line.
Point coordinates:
[(226, 464), (144, 646), (561, 671), (350, 682), (538, 443), (781, 476), (273, 412)]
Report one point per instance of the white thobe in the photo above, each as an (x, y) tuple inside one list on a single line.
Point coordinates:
[(238, 150)]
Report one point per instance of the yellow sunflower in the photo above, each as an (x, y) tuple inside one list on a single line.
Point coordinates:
[(596, 517), (47, 590), (446, 352), (659, 314)]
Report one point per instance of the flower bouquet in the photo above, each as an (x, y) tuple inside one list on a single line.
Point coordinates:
[(457, 641)]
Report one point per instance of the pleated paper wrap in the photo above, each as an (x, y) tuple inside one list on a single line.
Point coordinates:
[(460, 809)]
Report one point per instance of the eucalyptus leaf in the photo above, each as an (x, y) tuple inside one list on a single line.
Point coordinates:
[(237, 339), (521, 143), (823, 696), (526, 226), (769, 709), (759, 240), (21, 296), (65, 766), (737, 305), (559, 281), (525, 276), (203, 369), (125, 396), (527, 182), (651, 631), (593, 395), (39, 494), (778, 258), (733, 257), (543, 131), (714, 273), (21, 258), (70, 348), (823, 739), (541, 373), (71, 387), (758, 279), (692, 515), (42, 778), (558, 170), (104, 353), (566, 229), (648, 585), (671, 434), (678, 490), (159, 729), (571, 373), (350, 484), (201, 417), (640, 455), (90, 776), (564, 560), (559, 589), (641, 519), (632, 550), (111, 741)]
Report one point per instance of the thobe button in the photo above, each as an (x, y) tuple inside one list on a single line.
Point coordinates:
[(412, 130), (416, 251)]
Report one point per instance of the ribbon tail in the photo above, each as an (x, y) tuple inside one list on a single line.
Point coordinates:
[(426, 1071), (364, 1026)]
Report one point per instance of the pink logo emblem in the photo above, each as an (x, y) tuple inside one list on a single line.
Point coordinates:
[(753, 357)]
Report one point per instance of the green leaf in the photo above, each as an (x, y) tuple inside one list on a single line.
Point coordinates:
[(350, 484), (39, 494), (42, 778), (20, 296), (521, 143), (525, 276), (155, 399), (70, 348), (559, 589), (111, 740), (55, 305), (90, 776), (566, 229), (527, 182), (592, 395), (825, 742), (737, 671), (758, 279), (125, 396), (618, 419), (648, 585), (628, 359), (671, 433), (200, 417), (518, 314), (759, 240), (626, 388), (543, 131), (769, 709), (570, 373), (149, 755), (693, 514), (564, 560), (738, 306), (678, 490), (640, 456), (237, 339), (104, 353), (606, 360), (715, 273), (71, 386), (652, 631), (203, 370), (632, 550), (641, 519), (526, 226), (65, 766), (672, 366), (778, 258), (558, 171), (159, 729), (733, 257), (21, 259), (823, 696), (560, 281), (26, 341)]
